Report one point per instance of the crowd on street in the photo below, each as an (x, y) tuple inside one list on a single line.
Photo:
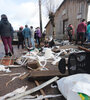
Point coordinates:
[(27, 37)]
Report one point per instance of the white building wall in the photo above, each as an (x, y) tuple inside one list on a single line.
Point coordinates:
[(88, 15)]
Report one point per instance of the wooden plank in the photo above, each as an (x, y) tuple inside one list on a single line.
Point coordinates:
[(41, 90), (83, 48), (45, 75), (24, 76), (34, 89)]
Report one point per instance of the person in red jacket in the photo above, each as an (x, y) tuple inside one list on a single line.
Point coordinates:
[(81, 31)]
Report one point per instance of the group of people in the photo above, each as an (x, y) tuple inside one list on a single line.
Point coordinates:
[(83, 32), (25, 36)]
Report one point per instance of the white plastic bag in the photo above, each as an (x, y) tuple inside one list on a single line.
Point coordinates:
[(70, 86)]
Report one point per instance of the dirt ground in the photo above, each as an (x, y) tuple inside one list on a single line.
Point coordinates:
[(17, 83)]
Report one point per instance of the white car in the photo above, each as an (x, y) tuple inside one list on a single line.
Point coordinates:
[(15, 37)]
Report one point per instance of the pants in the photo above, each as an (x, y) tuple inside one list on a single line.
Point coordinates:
[(70, 37), (32, 42), (80, 37), (7, 41), (20, 42), (27, 42), (38, 40)]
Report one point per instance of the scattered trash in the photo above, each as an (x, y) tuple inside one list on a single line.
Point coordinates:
[(15, 78), (34, 89), (41, 97), (15, 92), (4, 68)]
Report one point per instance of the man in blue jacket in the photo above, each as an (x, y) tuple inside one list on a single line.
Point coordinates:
[(27, 34)]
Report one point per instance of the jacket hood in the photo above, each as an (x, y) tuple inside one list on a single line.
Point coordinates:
[(4, 20)]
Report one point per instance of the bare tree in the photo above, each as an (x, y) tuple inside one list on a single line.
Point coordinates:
[(51, 8)]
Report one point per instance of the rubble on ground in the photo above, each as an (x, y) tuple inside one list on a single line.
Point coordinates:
[(41, 64)]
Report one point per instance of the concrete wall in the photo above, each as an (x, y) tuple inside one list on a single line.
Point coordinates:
[(49, 29), (70, 12), (88, 14)]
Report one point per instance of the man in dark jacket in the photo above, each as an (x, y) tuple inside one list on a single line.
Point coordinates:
[(6, 32), (20, 37)]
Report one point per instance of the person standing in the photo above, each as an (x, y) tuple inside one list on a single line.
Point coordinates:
[(38, 35), (32, 37), (6, 32), (44, 34), (81, 31), (70, 32), (27, 34), (88, 32), (20, 38)]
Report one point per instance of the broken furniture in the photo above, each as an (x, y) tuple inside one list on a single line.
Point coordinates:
[(77, 63)]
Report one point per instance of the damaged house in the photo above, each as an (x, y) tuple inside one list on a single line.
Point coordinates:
[(69, 12)]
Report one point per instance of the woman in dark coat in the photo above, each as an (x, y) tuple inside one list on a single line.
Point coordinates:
[(6, 32)]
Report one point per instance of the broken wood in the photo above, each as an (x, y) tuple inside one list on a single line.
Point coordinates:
[(24, 76), (15, 78), (45, 75), (83, 48), (41, 90), (34, 89), (29, 73)]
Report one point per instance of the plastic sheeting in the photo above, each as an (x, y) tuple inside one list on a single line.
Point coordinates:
[(72, 85)]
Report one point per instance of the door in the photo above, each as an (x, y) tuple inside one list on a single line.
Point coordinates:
[(65, 24)]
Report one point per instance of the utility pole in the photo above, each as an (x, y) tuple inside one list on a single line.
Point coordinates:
[(40, 15)]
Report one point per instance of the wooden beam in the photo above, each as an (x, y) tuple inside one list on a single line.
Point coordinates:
[(83, 48), (24, 76), (45, 75), (34, 89), (41, 90)]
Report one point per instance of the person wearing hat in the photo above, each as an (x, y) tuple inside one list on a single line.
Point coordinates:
[(6, 32)]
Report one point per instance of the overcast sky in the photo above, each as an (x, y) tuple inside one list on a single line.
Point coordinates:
[(21, 12)]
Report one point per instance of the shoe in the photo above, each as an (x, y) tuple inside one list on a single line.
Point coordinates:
[(6, 54), (9, 54)]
